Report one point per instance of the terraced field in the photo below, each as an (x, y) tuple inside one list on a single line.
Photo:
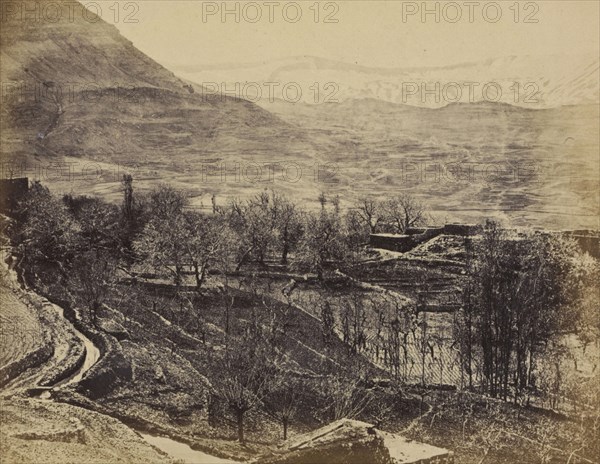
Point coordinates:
[(20, 328)]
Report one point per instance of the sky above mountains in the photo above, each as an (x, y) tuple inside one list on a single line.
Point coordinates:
[(367, 33)]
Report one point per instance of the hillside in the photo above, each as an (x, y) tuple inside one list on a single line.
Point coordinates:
[(79, 88), (522, 166)]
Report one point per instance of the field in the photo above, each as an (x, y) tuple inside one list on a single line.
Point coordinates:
[(521, 166), (20, 328)]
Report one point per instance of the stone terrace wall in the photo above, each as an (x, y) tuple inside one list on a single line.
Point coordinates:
[(416, 235)]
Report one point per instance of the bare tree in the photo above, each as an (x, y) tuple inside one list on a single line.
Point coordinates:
[(98, 224), (254, 223), (47, 233), (404, 211), (369, 210), (206, 239), (357, 232), (92, 281), (423, 340), (327, 321), (288, 224), (402, 325), (522, 286), (245, 379), (162, 242), (322, 242), (322, 199), (128, 204), (282, 401), (354, 322)]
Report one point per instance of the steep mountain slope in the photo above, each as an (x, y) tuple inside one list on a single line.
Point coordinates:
[(77, 87)]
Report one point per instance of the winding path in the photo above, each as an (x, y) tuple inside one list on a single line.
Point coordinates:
[(176, 450), (62, 338), (92, 355)]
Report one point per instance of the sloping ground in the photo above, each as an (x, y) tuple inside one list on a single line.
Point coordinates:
[(77, 87), (354, 442), (39, 347), (33, 431), (177, 353), (527, 167), (440, 356), (20, 329), (430, 278)]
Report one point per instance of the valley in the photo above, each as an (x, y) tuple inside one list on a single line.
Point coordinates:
[(360, 275)]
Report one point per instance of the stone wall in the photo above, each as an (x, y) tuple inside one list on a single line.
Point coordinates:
[(588, 241), (461, 229), (31, 359), (11, 192), (401, 243)]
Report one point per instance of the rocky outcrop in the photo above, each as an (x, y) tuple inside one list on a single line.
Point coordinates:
[(353, 442), (73, 433)]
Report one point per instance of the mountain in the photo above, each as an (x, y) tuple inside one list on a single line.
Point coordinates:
[(528, 81), (77, 88), (76, 91)]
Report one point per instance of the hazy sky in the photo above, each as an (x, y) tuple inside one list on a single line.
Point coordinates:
[(370, 33)]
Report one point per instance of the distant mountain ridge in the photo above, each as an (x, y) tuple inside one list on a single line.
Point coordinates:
[(527, 81), (77, 91)]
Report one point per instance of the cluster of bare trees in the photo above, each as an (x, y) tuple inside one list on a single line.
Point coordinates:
[(265, 227), (392, 215), (258, 373), (175, 238), (390, 332), (74, 245), (522, 294)]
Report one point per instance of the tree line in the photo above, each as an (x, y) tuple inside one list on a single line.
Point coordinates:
[(520, 292)]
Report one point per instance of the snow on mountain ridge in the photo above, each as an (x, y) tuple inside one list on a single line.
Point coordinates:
[(527, 81)]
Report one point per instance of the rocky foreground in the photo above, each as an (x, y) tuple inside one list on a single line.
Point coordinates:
[(35, 430)]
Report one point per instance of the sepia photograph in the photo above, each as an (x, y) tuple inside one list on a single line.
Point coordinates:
[(299, 232)]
